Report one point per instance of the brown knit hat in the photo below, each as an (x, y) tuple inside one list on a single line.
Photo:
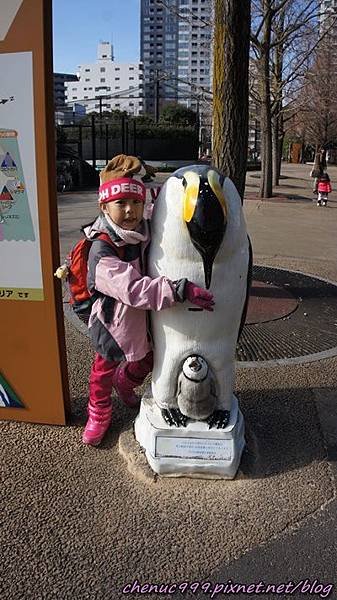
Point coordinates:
[(120, 166)]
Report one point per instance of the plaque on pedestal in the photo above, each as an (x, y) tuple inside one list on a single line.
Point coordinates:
[(194, 450)]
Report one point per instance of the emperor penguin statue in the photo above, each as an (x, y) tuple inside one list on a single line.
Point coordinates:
[(199, 233)]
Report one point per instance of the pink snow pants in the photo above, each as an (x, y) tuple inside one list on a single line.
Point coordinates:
[(102, 373)]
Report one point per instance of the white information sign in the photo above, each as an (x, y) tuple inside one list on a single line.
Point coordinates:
[(201, 448), (20, 275)]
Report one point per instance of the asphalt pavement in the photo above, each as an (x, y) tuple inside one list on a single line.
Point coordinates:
[(78, 524)]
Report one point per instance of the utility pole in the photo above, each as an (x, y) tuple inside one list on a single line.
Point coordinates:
[(197, 127), (80, 154), (106, 143), (126, 136), (134, 133), (100, 115), (156, 96), (93, 141), (123, 133)]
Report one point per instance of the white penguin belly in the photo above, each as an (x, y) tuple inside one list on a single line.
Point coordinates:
[(180, 332)]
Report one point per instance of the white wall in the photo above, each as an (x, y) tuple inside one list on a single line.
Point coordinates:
[(106, 78)]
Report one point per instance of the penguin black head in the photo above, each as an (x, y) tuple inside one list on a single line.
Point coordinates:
[(204, 211)]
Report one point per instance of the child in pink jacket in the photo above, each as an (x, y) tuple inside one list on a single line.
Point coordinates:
[(118, 322), (323, 189)]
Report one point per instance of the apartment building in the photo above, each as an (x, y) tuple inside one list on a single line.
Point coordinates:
[(59, 87), (176, 51), (328, 9), (328, 21), (107, 85)]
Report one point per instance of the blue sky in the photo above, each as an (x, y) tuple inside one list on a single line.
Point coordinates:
[(78, 26)]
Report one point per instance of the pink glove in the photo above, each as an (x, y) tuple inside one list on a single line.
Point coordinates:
[(199, 296)]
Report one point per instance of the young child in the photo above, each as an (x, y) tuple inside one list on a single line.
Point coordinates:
[(118, 320), (323, 188)]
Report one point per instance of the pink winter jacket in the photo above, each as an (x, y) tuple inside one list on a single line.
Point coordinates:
[(324, 186), (118, 324)]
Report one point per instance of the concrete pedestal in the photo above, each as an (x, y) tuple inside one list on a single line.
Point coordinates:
[(194, 450)]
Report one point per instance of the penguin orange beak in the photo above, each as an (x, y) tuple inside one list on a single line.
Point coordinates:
[(205, 214)]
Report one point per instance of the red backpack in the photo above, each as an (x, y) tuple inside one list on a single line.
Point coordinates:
[(81, 300)]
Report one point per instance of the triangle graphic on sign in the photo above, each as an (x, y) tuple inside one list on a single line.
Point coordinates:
[(8, 162), (8, 398), (5, 195)]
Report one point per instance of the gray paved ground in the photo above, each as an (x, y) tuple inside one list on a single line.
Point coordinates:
[(77, 524)]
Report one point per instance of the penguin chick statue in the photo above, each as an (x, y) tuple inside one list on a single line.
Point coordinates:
[(196, 389), (199, 233)]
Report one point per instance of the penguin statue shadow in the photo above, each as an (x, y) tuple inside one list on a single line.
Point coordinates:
[(198, 232)]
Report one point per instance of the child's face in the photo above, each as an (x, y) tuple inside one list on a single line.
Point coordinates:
[(127, 214)]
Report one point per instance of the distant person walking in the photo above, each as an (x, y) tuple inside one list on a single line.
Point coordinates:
[(322, 188)]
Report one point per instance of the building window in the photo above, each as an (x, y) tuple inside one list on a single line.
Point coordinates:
[(102, 69), (102, 80), (87, 70), (87, 80)]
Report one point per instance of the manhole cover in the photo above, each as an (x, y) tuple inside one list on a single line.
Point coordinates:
[(308, 325), (268, 302)]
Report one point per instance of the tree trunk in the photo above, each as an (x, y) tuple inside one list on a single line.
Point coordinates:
[(280, 152), (266, 181), (278, 137), (278, 122), (230, 89)]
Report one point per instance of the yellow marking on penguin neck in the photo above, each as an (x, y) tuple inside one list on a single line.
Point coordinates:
[(191, 195)]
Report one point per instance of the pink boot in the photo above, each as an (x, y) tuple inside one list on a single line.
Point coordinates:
[(97, 425), (125, 388)]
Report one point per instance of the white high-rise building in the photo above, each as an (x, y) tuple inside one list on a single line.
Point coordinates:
[(328, 6), (328, 11), (106, 85), (176, 50), (328, 29), (194, 51)]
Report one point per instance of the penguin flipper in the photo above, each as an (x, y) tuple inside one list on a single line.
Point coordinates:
[(173, 416), (218, 419)]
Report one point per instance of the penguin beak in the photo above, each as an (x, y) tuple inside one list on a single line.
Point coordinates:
[(205, 214)]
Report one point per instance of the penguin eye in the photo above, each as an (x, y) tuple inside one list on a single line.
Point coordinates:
[(214, 181)]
